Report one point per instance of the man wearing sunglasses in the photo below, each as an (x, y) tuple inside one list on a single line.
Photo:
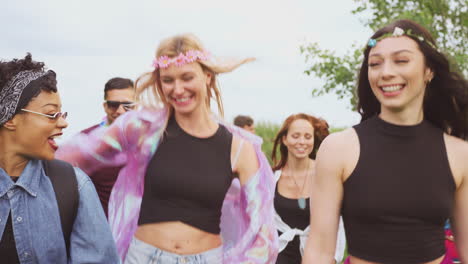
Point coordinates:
[(119, 96)]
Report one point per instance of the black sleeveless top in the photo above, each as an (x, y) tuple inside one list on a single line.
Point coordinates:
[(187, 179), (295, 217), (400, 194)]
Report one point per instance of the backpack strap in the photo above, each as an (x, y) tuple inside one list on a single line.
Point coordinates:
[(63, 178)]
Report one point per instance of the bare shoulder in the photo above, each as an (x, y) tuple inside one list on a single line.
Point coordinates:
[(340, 143), (340, 150), (455, 144), (457, 153), (337, 139), (243, 158)]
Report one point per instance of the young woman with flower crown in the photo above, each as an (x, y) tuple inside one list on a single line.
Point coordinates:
[(176, 200), (401, 173), (298, 140)]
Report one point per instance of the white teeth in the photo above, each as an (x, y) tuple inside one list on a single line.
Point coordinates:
[(392, 88), (185, 99)]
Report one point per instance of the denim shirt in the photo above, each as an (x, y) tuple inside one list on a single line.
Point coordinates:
[(36, 220)]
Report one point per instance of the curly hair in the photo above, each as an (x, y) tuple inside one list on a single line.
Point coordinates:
[(446, 96), (8, 69), (320, 132)]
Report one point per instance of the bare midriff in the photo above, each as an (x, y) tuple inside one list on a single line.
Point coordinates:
[(354, 260), (177, 237)]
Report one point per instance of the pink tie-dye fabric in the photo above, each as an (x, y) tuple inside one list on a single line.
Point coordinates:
[(247, 227)]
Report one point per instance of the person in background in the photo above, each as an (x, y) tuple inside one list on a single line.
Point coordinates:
[(298, 140), (31, 118), (401, 173), (245, 122), (119, 97), (450, 244)]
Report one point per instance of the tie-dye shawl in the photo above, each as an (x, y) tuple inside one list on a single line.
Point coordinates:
[(247, 227)]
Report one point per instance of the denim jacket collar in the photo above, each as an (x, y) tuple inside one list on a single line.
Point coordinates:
[(28, 180)]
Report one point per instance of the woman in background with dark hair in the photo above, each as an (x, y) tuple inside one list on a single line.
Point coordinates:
[(402, 172), (298, 141), (30, 215)]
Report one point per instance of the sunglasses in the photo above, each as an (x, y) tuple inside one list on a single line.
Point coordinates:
[(55, 116), (114, 105)]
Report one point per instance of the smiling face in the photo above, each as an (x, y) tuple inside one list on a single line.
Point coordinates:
[(35, 134), (185, 87), (398, 74), (300, 139), (117, 95)]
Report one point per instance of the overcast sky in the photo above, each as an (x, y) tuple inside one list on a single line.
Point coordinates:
[(88, 42)]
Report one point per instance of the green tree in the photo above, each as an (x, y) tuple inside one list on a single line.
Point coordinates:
[(447, 20)]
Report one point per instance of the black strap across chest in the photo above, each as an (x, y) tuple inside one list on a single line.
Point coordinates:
[(63, 178)]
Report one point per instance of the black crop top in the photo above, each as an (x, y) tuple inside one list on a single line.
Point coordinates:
[(187, 179), (400, 194)]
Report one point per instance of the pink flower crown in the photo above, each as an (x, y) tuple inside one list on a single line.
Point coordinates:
[(188, 57)]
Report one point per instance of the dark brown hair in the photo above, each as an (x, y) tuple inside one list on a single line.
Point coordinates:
[(446, 96), (117, 83), (320, 132), (242, 120)]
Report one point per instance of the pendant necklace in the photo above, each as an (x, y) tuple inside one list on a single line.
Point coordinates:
[(301, 201)]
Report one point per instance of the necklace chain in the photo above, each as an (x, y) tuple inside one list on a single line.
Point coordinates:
[(305, 179)]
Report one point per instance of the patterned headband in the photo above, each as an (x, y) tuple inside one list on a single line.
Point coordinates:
[(188, 57), (11, 93), (397, 32)]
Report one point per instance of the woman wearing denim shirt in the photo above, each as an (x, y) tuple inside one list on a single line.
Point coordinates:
[(30, 223)]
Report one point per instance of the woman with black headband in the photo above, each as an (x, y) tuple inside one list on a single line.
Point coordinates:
[(49, 212)]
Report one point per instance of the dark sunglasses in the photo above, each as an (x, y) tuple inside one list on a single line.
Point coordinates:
[(114, 105)]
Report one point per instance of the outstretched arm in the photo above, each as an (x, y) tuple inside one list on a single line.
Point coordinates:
[(105, 146)]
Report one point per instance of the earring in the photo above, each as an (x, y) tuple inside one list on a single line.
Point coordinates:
[(428, 82)]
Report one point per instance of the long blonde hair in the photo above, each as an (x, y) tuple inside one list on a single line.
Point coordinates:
[(148, 85)]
